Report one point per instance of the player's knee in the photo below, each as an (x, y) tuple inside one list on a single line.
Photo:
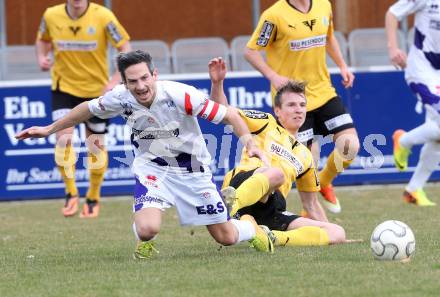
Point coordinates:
[(224, 234), (146, 231), (348, 146), (225, 238), (353, 146)]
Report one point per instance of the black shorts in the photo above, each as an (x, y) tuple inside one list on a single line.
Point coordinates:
[(62, 103), (330, 118), (273, 213)]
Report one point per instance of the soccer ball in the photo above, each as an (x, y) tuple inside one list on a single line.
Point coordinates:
[(392, 240)]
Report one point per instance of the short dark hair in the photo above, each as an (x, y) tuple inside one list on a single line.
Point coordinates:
[(125, 60), (292, 86)]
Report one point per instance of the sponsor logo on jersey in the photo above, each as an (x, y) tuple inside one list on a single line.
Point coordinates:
[(434, 24), (74, 29), (265, 33), (170, 104), (303, 44), (433, 8), (73, 45), (255, 114), (310, 24), (91, 30), (155, 134), (287, 155), (152, 177), (101, 106), (128, 110), (206, 195), (114, 33)]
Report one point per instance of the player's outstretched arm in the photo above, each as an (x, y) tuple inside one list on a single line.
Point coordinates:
[(312, 206), (77, 115), (217, 73), (234, 119)]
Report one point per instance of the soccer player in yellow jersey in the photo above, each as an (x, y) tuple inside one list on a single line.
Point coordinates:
[(296, 35), (76, 34), (255, 189)]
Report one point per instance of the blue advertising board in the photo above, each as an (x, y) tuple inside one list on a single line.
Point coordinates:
[(379, 102)]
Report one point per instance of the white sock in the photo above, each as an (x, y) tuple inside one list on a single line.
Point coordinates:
[(245, 229), (429, 131), (428, 162), (135, 232)]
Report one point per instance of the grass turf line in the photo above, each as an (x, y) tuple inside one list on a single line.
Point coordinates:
[(44, 254)]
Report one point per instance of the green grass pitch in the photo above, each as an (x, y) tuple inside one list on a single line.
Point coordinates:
[(44, 254)]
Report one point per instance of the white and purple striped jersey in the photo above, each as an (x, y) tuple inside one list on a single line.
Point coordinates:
[(168, 132), (423, 65)]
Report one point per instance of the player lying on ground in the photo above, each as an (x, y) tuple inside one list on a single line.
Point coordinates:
[(255, 189), (171, 163), (297, 49)]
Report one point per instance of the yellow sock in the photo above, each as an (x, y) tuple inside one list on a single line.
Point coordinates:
[(65, 158), (250, 191), (97, 164), (332, 168), (303, 236)]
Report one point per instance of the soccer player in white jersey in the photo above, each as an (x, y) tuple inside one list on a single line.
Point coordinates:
[(422, 73), (171, 157)]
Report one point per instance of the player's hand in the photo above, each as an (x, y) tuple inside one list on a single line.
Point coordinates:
[(45, 63), (278, 81), (398, 58), (217, 69), (33, 132), (254, 151), (347, 77)]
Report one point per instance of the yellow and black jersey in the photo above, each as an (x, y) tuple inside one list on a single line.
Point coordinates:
[(295, 45), (80, 47), (283, 150)]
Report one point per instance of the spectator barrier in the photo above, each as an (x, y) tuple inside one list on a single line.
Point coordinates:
[(379, 103)]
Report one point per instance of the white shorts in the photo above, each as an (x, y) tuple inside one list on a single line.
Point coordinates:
[(195, 196), (423, 79)]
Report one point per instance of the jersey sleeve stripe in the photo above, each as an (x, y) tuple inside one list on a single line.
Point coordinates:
[(188, 105), (204, 108), (213, 111)]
